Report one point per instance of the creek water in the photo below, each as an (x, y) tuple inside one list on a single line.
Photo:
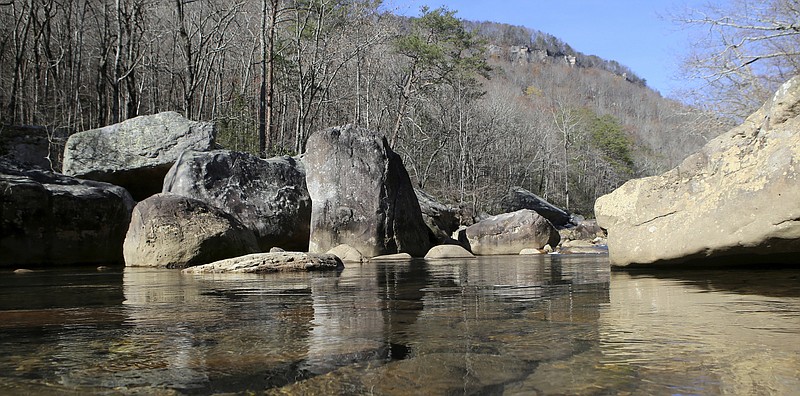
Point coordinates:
[(493, 325)]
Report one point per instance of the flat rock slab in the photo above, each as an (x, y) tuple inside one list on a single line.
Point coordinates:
[(260, 263)]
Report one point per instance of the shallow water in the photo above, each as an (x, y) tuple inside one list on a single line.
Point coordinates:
[(499, 325)]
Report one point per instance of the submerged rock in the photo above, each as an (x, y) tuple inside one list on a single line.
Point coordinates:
[(136, 153), (173, 231), (52, 219), (268, 196), (361, 195), (271, 262), (737, 200), (509, 233)]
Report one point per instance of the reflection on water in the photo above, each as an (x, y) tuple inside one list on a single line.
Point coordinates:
[(499, 325)]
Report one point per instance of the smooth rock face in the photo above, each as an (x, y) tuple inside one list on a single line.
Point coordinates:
[(52, 219), (519, 198), (509, 233), (173, 231), (136, 153), (448, 252), (267, 196), (271, 262), (736, 200), (361, 195)]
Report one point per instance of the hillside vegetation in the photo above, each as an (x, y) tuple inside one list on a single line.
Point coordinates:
[(473, 108)]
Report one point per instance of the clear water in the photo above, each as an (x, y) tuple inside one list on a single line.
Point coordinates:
[(500, 325)]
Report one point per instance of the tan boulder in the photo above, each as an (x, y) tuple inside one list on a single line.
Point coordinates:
[(736, 200), (347, 253), (170, 230), (448, 252)]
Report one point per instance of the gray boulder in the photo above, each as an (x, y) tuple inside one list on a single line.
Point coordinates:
[(136, 153), (735, 201), (52, 219), (260, 263), (173, 231), (519, 198), (362, 195), (441, 219), (268, 196), (509, 233)]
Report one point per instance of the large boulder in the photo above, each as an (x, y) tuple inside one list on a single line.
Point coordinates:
[(136, 153), (509, 233), (173, 231), (519, 198), (267, 196), (52, 219), (361, 195), (735, 201), (260, 263), (441, 219)]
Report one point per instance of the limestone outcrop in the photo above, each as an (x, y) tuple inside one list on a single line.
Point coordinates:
[(260, 263), (52, 219), (268, 196), (173, 231), (737, 200), (509, 233), (136, 153), (361, 195)]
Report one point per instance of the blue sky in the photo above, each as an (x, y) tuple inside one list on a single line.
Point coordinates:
[(636, 33)]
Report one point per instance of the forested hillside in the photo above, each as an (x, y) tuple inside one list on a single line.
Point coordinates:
[(473, 108)]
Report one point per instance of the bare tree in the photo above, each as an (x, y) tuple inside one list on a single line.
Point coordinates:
[(747, 49)]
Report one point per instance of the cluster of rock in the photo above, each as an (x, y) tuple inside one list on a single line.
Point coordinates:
[(349, 197), (736, 201)]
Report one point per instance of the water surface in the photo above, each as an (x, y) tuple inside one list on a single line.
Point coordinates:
[(497, 325)]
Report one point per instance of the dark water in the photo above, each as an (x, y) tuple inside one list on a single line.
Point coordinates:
[(503, 325)]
